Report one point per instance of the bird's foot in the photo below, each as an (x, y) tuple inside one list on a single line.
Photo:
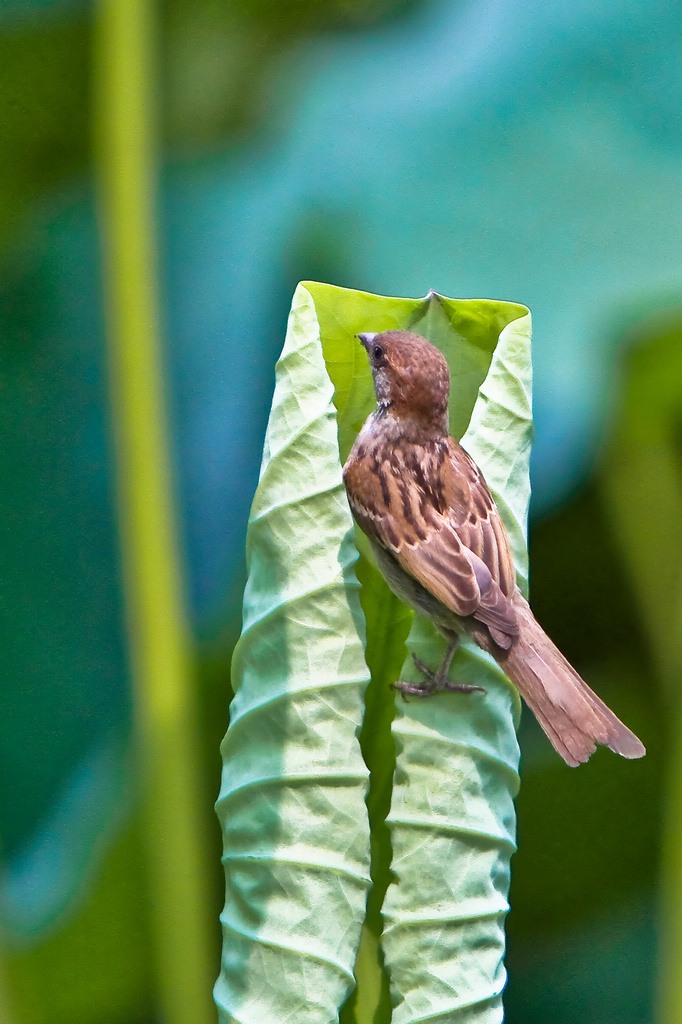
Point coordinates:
[(433, 681)]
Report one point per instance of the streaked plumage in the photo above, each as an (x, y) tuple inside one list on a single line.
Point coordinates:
[(441, 545)]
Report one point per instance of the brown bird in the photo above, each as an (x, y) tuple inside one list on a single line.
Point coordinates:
[(440, 544)]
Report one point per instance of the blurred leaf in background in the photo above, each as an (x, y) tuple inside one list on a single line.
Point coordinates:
[(529, 150), (223, 62), (44, 65)]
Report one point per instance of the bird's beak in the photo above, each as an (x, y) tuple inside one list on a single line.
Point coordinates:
[(367, 338)]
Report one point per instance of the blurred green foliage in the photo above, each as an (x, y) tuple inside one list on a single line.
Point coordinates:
[(60, 576), (605, 566), (97, 966), (218, 62), (588, 839), (222, 60), (44, 85), (642, 490)]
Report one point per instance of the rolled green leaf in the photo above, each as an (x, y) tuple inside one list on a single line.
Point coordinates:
[(292, 803), (452, 818)]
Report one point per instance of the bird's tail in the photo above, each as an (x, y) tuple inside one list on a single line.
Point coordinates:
[(571, 714)]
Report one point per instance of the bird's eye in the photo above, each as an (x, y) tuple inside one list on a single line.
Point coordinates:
[(377, 351)]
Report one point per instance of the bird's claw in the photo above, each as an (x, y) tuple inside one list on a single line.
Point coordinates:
[(434, 682), (414, 689)]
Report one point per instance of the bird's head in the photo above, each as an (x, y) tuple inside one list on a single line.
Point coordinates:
[(411, 377)]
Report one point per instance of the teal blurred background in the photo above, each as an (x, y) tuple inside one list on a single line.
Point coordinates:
[(513, 149)]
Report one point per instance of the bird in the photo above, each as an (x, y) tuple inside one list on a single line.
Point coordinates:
[(440, 544)]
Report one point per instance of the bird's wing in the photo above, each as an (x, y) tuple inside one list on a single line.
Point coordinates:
[(430, 507), (475, 517)]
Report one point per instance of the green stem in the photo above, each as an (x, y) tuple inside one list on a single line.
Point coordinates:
[(159, 634)]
